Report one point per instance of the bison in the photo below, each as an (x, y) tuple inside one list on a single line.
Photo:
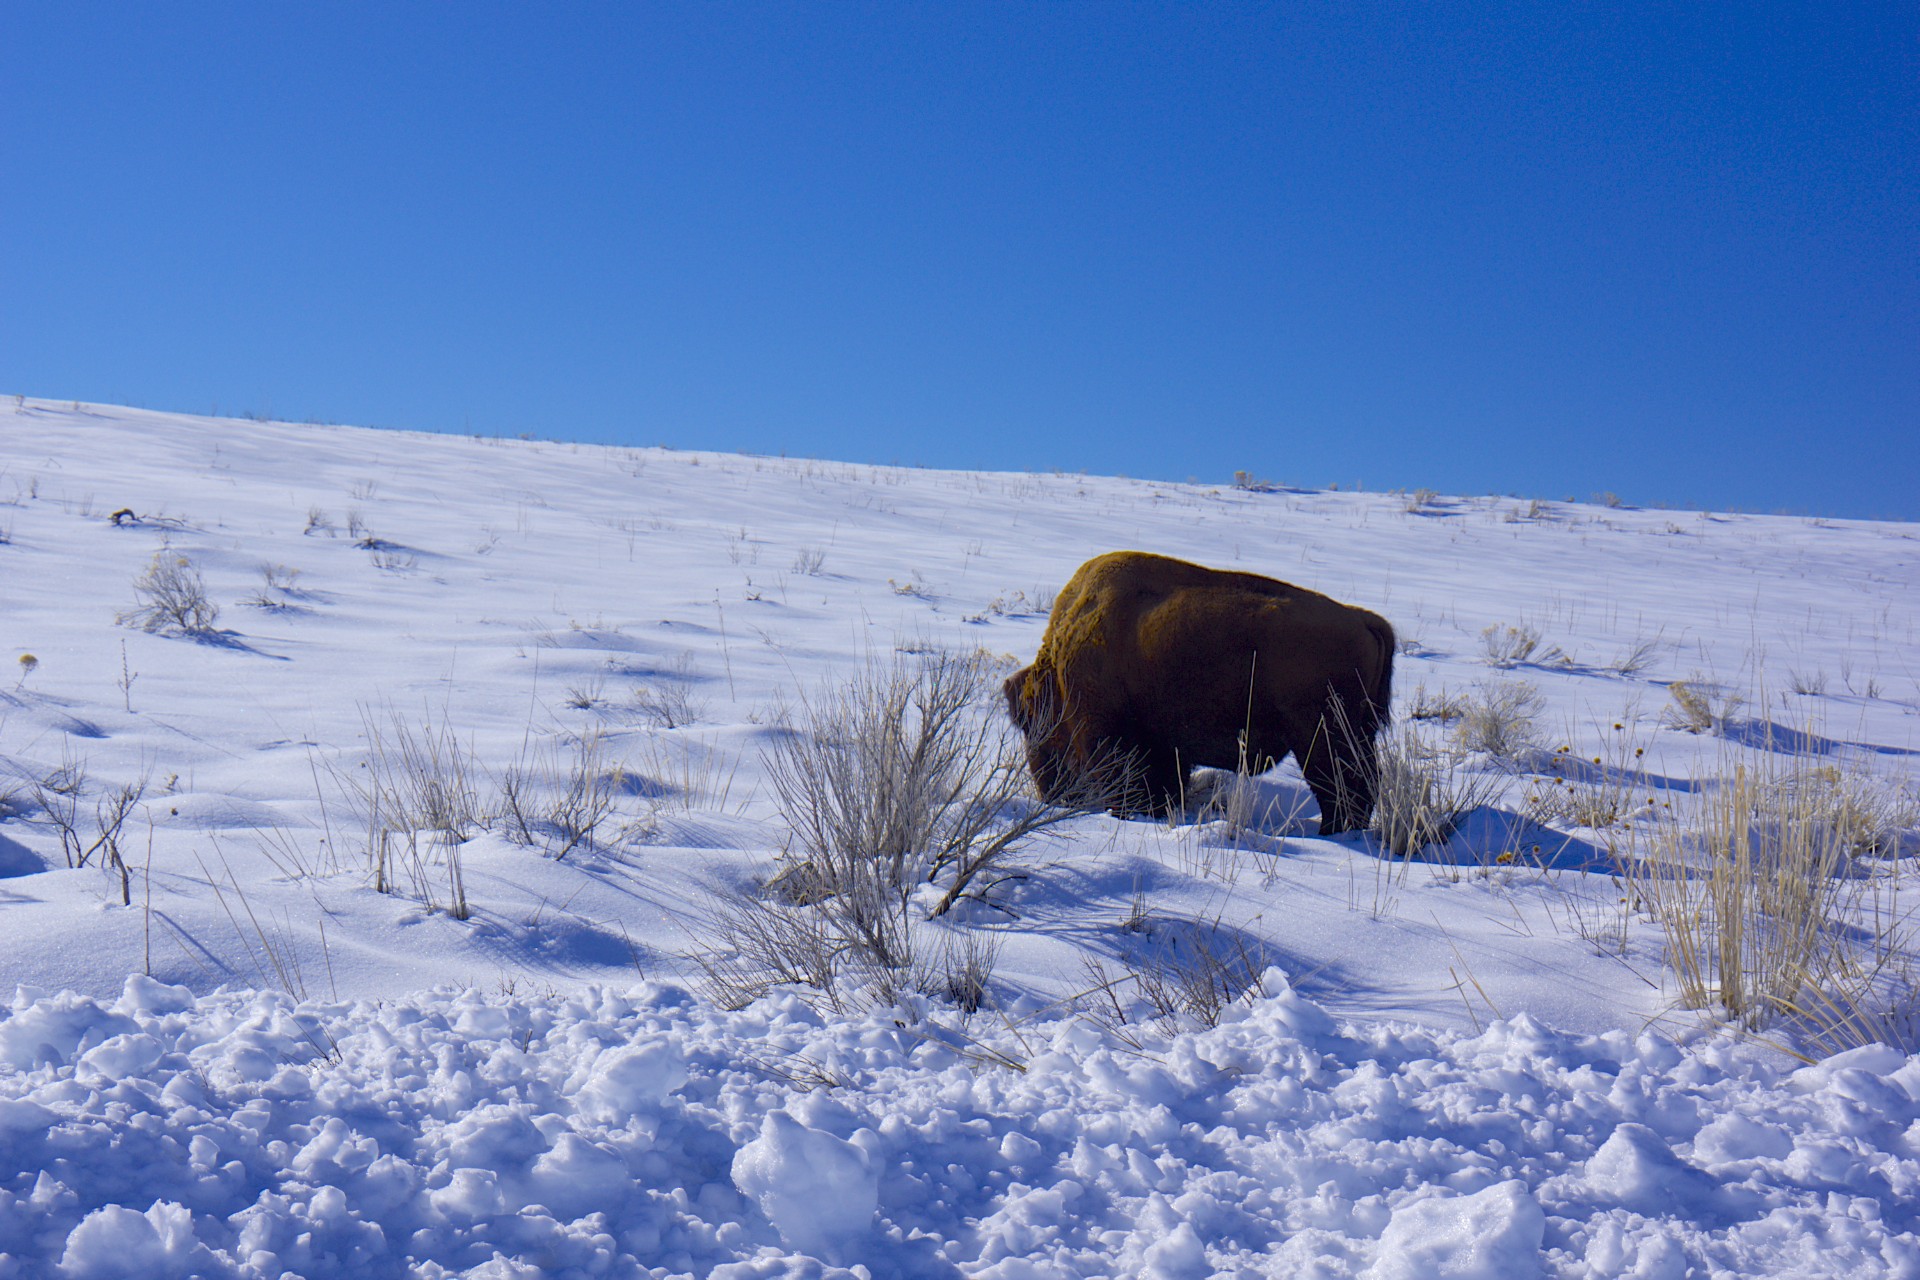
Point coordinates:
[(1151, 666)]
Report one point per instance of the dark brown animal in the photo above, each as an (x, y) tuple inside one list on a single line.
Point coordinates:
[(1151, 666)]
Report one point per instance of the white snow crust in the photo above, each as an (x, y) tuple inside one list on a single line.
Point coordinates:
[(1466, 1066)]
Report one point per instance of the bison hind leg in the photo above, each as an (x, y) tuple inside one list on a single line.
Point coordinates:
[(1340, 769)]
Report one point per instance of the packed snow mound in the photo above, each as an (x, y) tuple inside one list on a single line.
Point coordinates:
[(644, 1132)]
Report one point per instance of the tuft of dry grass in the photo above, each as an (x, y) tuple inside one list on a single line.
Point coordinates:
[(417, 798), (1698, 707), (1603, 791), (1421, 793), (1442, 706), (1768, 910)]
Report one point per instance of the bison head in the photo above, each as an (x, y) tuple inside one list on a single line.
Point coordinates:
[(1034, 707)]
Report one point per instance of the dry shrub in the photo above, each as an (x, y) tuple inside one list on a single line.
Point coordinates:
[(60, 796), (901, 779), (1442, 706), (172, 598), (1636, 657), (1189, 972), (1509, 646), (1606, 790), (1421, 793), (1868, 816), (1499, 719), (905, 775), (562, 798)]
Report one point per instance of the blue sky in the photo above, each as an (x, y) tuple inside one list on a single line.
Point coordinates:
[(1671, 252)]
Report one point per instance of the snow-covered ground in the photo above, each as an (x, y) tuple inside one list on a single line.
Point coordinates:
[(261, 1064)]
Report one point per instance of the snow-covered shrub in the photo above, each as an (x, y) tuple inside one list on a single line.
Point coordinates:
[(172, 597)]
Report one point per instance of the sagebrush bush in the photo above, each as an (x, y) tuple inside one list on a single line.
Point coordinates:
[(902, 779), (1509, 646), (172, 597), (1499, 719)]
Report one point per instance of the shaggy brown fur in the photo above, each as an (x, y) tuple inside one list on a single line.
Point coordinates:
[(1151, 666)]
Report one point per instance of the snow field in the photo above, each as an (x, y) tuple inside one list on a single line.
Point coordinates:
[(1454, 1076)]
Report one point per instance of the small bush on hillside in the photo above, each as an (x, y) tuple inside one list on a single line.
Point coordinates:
[(906, 779), (1509, 646), (418, 798), (673, 701), (172, 598), (563, 799), (1499, 719)]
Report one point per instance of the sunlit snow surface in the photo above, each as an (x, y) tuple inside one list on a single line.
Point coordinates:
[(1472, 1073)]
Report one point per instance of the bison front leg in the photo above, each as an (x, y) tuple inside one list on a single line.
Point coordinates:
[(1153, 780)]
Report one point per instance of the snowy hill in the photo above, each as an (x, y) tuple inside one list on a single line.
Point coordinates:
[(1222, 1045)]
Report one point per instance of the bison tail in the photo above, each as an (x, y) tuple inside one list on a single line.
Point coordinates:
[(1380, 696)]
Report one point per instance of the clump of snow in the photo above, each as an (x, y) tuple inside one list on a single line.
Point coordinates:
[(819, 1191), (115, 1243), (1493, 1234), (632, 1081)]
